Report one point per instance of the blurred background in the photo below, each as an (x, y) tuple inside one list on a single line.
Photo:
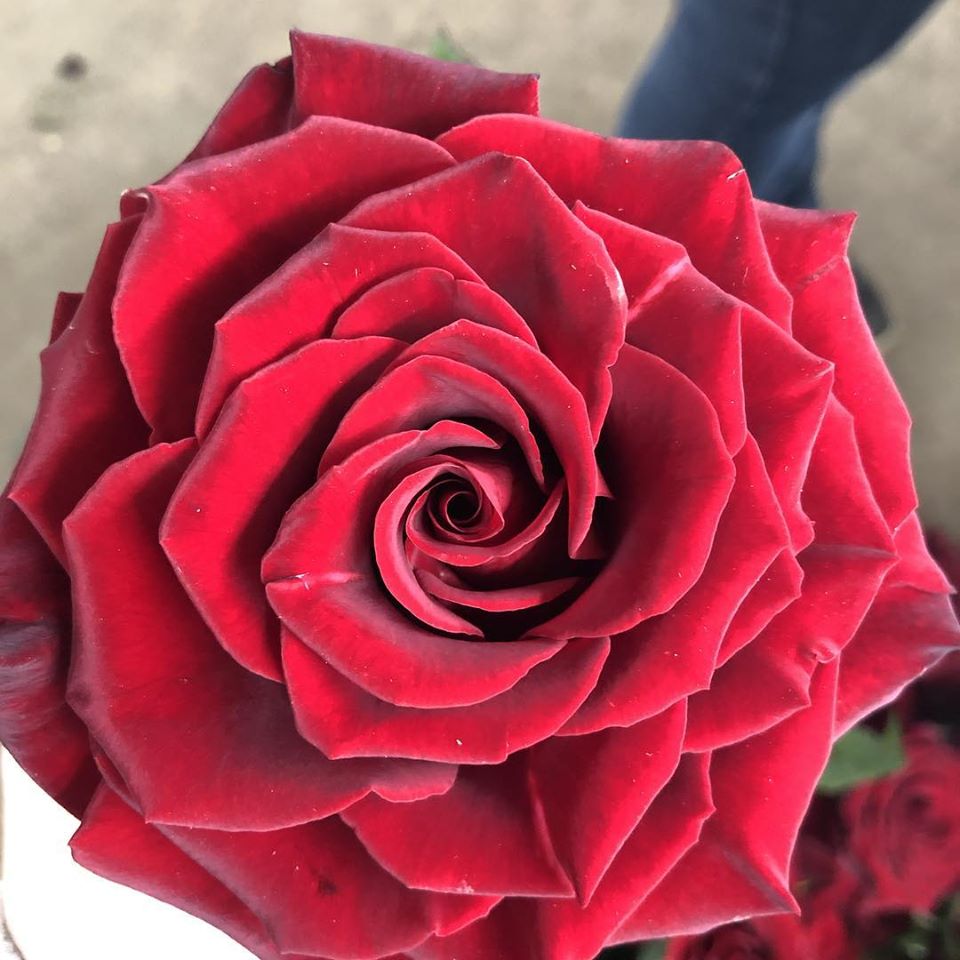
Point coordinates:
[(100, 96)]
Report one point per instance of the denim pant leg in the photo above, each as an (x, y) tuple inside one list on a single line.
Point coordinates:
[(758, 75)]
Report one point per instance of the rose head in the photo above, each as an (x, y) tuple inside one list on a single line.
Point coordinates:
[(446, 533)]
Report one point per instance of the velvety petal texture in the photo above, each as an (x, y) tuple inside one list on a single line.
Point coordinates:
[(449, 535)]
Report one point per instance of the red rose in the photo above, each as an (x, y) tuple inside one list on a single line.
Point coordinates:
[(476, 531), (905, 828)]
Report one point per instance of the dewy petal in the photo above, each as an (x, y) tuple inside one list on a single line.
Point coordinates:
[(258, 109), (387, 87), (445, 844), (809, 252), (260, 457), (220, 225), (671, 476), (64, 310), (344, 721), (762, 788), (694, 192), (322, 583), (523, 929), (313, 886), (532, 251), (86, 419), (41, 732), (673, 655), (114, 842), (629, 763), (413, 304), (153, 686), (299, 302)]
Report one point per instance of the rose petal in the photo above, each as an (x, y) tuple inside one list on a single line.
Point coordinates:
[(64, 311), (41, 732), (694, 192), (497, 601), (260, 457), (539, 257), (321, 581), (677, 506), (220, 225), (153, 686), (312, 886), (445, 844), (631, 763), (416, 303), (344, 721), (114, 842), (828, 320), (386, 87), (673, 655), (761, 788), (298, 303), (86, 418)]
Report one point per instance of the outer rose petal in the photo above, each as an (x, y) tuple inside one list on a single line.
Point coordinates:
[(540, 258), (86, 419), (312, 886), (154, 687), (447, 843), (809, 253), (64, 310), (299, 302), (694, 192), (393, 88), (345, 721), (218, 226), (762, 788), (114, 842), (36, 725), (260, 457)]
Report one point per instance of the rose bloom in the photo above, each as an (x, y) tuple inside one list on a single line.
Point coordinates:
[(905, 828), (449, 534)]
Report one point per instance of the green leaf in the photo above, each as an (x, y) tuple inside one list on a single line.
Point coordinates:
[(862, 754), (652, 950), (444, 47)]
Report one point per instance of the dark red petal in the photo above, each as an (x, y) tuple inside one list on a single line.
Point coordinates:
[(423, 391), (258, 109), (497, 601), (531, 250), (299, 302), (905, 632), (809, 252), (318, 892), (154, 687), (694, 192), (86, 418), (576, 777), (321, 581), (916, 566), (544, 393), (41, 732), (671, 476), (63, 312), (413, 304), (261, 455), (671, 656), (786, 390), (336, 77), (344, 721), (761, 788), (563, 929), (449, 844), (220, 225), (114, 842)]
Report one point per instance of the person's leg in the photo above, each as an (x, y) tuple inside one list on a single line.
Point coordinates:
[(758, 75)]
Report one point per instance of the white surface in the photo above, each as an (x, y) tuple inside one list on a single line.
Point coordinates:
[(56, 910)]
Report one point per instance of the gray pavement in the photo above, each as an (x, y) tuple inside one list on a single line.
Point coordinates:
[(74, 136)]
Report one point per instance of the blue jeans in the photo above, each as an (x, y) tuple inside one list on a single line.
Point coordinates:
[(758, 76)]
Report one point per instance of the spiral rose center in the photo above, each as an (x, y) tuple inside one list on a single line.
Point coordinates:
[(455, 506)]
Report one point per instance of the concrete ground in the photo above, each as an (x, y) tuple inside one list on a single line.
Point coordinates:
[(75, 133)]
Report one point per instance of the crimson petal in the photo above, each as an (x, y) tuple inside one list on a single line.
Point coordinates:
[(153, 686)]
